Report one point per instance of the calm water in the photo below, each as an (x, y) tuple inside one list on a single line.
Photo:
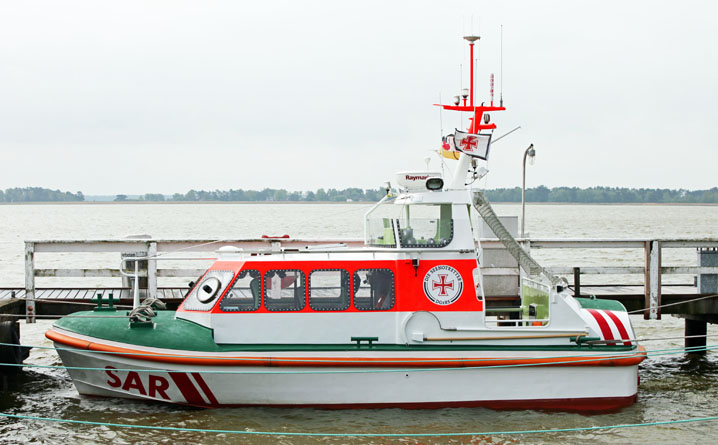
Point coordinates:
[(672, 387)]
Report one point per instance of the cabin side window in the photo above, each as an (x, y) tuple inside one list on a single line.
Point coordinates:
[(204, 295), (284, 290), (329, 290), (244, 293), (373, 289)]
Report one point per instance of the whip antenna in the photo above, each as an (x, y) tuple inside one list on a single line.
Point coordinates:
[(504, 135), (501, 67), (441, 120)]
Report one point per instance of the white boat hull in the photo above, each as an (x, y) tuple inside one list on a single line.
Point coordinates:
[(567, 388)]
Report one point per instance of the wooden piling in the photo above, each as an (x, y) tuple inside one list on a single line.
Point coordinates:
[(30, 281), (696, 328), (10, 334), (576, 281)]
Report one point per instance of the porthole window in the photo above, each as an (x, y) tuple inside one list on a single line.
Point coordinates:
[(204, 295), (329, 290), (244, 293), (284, 290), (373, 289), (208, 289)]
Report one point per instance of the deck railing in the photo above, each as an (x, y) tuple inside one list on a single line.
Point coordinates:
[(651, 270)]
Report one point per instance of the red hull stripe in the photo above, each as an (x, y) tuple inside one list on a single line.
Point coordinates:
[(603, 324), (619, 325), (574, 405), (189, 392), (205, 388)]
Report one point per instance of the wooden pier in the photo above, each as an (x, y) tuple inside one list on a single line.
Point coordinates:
[(500, 271)]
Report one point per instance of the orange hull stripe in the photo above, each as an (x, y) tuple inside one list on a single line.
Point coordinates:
[(398, 362)]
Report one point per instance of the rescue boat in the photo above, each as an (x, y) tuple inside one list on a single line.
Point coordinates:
[(401, 321)]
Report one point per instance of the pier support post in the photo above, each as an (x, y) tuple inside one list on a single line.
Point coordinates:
[(576, 281), (693, 328), (652, 280), (30, 281), (152, 270), (129, 265)]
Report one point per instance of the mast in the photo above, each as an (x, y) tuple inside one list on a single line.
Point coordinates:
[(459, 180), (471, 40)]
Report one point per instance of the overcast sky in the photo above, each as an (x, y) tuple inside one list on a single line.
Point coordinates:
[(150, 96)]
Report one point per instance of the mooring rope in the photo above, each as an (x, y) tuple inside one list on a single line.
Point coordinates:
[(393, 435), (588, 342), (49, 300), (656, 353), (674, 304), (607, 354)]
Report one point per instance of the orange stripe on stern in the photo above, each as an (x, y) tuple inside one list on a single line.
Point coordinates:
[(182, 357)]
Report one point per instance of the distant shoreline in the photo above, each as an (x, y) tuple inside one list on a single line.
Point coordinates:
[(541, 195), (70, 203)]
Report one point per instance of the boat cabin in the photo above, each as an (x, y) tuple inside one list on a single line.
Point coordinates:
[(419, 263)]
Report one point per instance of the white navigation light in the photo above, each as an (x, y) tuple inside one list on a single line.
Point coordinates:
[(434, 184), (465, 93)]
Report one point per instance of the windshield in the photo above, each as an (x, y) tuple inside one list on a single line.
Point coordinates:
[(416, 225)]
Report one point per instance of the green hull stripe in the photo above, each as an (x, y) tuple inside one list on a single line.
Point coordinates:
[(183, 335)]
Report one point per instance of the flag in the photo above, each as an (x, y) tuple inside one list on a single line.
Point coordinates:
[(447, 148), (476, 145)]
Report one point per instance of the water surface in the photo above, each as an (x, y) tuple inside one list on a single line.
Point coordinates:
[(673, 386)]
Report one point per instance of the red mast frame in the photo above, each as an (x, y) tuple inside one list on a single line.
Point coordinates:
[(479, 111)]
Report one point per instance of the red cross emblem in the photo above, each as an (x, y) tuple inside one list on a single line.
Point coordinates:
[(442, 284), (469, 143)]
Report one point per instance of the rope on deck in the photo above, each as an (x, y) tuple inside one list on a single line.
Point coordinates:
[(396, 435)]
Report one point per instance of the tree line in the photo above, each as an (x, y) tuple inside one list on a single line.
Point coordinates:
[(535, 194), (38, 194), (604, 195), (267, 194)]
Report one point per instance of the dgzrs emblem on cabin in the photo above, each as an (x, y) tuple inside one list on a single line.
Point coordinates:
[(443, 285)]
